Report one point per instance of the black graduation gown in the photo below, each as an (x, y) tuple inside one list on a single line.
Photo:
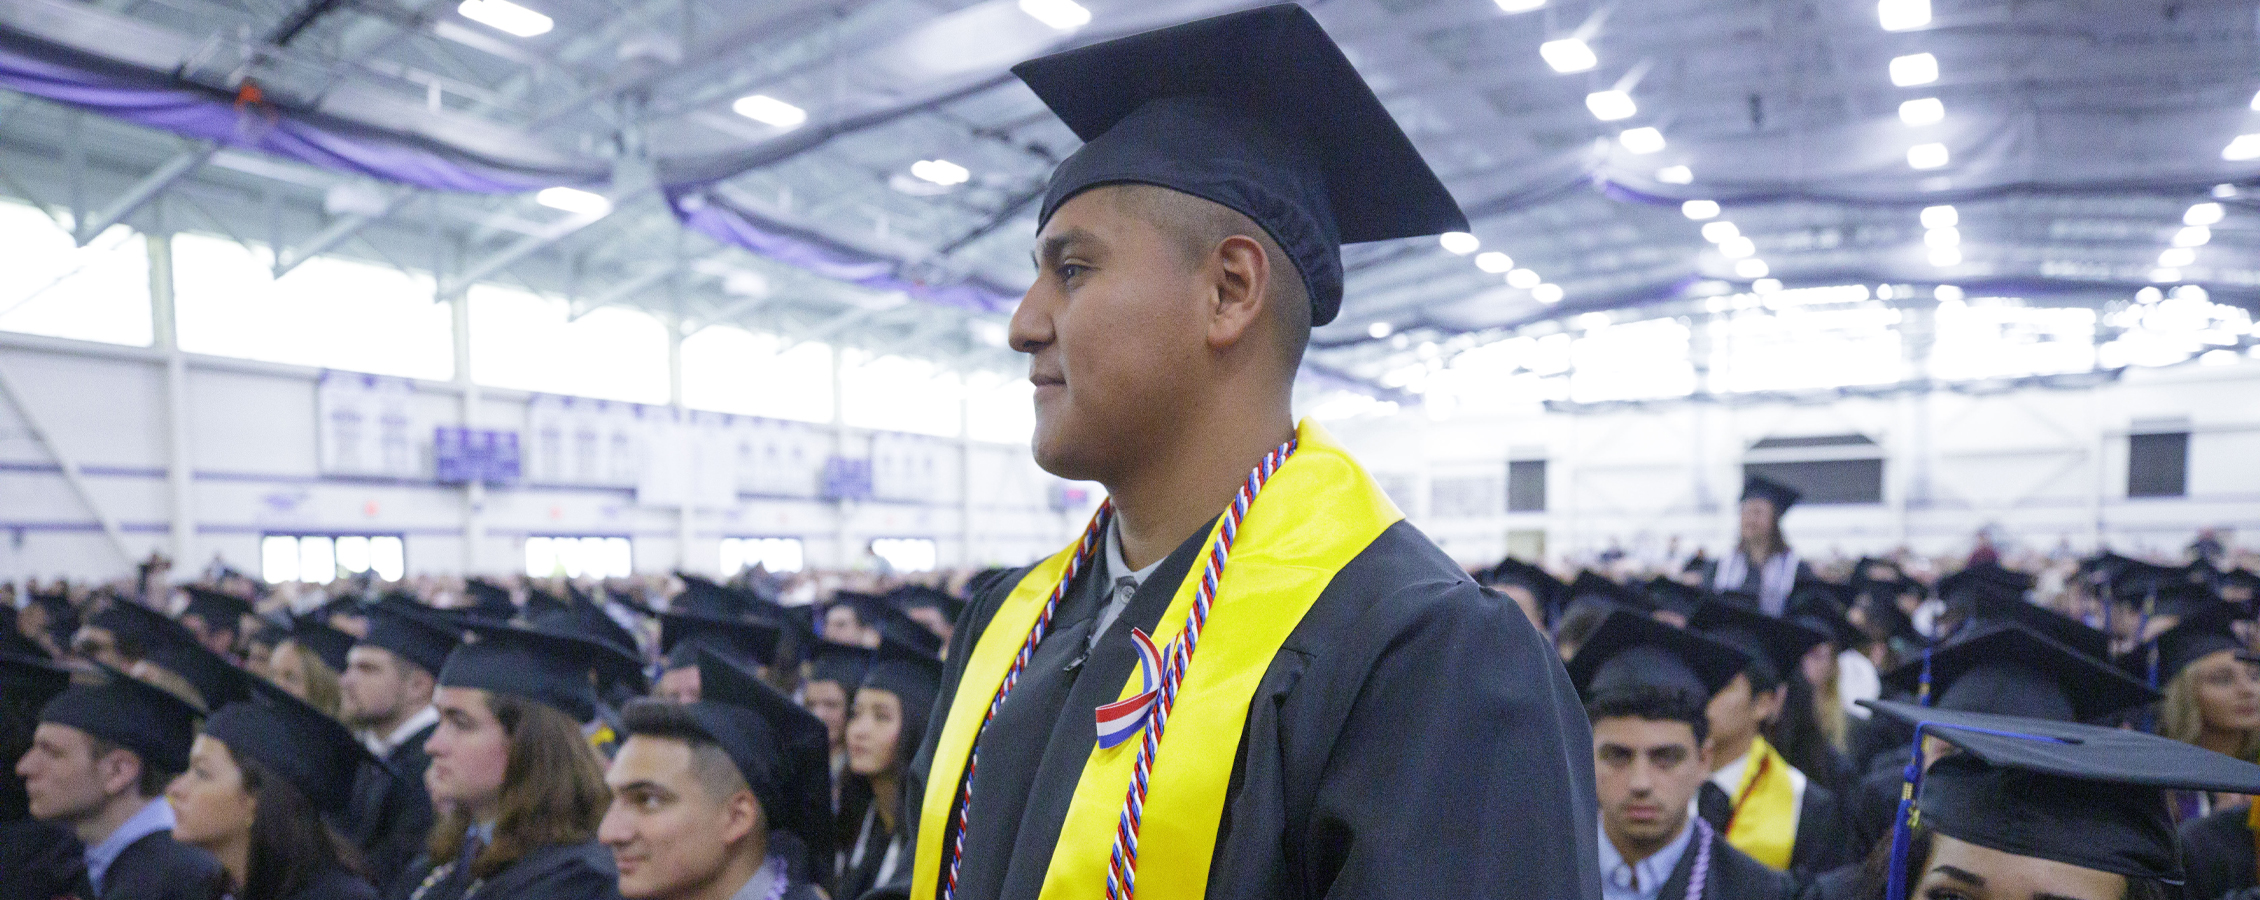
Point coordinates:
[(2217, 854), (1875, 802), (858, 877), (1840, 883), (1821, 842), (159, 868), (1412, 738), (557, 872), (39, 860), (1733, 876), (391, 815), (336, 884)]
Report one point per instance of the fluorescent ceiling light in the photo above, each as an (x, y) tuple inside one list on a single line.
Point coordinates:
[(1568, 55), (770, 111), (1945, 256), (2193, 236), (1516, 6), (1459, 242), (1947, 293), (2176, 258), (2148, 295), (1925, 111), (1700, 209), (1065, 15), (1751, 268), (1943, 237), (1494, 262), (2165, 276), (1378, 330), (2222, 357), (1642, 140), (1523, 278), (2203, 214), (574, 200), (1927, 156), (1766, 286), (940, 171), (1737, 247), (1914, 69), (2246, 146), (2256, 102), (1900, 15), (1716, 232), (2224, 191), (1675, 175), (1609, 106), (1547, 293), (1940, 217), (506, 17)]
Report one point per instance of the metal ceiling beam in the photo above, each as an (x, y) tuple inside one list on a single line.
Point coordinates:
[(337, 233), (144, 191), (520, 249)]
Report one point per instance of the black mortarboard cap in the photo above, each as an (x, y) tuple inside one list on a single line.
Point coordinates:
[(1593, 587), (131, 713), (742, 641), (613, 663), (540, 601), (919, 596), (1539, 582), (595, 621), (2008, 669), (13, 641), (298, 743), (550, 669), (135, 626), (2133, 581), (218, 610), (328, 643), (2073, 633), (896, 628), (2185, 599), (489, 601), (784, 752), (412, 631), (2195, 637), (704, 597), (1630, 650), (912, 673), (1823, 605), (837, 662), (170, 645), (32, 680), (2080, 795), (1672, 596), (1776, 646), (869, 608), (1257, 111), (1782, 496)]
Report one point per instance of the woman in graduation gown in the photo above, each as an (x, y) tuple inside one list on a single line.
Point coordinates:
[(2212, 687), (260, 778), (522, 788), (886, 724)]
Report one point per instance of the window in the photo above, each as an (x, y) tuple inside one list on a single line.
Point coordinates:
[(2158, 464), (524, 341), (1826, 468), (773, 554), (578, 557), (737, 371), (899, 394), (327, 313), (322, 558), (49, 285), (1526, 485), (905, 554)]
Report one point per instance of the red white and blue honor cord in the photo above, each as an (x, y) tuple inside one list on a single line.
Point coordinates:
[(1162, 672)]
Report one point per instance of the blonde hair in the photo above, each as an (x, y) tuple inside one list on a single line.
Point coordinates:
[(2181, 717), (322, 691)]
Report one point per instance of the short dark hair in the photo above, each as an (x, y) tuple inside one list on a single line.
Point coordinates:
[(1198, 225), (1653, 703), (710, 764), (154, 779)]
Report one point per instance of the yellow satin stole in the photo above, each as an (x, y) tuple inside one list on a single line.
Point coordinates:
[(1315, 514), (1764, 822)]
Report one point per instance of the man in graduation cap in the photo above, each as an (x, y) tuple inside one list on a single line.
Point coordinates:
[(1184, 253), (724, 798), (216, 618), (1767, 807), (99, 764), (1762, 563), (1645, 685), (385, 695)]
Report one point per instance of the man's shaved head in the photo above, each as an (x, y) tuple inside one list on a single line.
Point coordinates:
[(1197, 226)]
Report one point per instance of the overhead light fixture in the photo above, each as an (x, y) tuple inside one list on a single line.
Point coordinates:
[(1609, 106), (1943, 237), (1642, 140), (2162, 275), (2256, 103), (1945, 256), (1494, 262), (1947, 293), (1901, 15), (1523, 278), (2224, 191), (1720, 231), (1519, 6), (2148, 295), (2176, 257), (940, 171), (506, 17), (1568, 55), (1065, 15), (1914, 69), (574, 200), (2246, 146), (2203, 214), (1459, 242), (1751, 268), (1700, 209), (2193, 236), (1378, 330), (1924, 111), (1927, 156), (1940, 217), (1547, 293), (1738, 247), (1766, 286), (2190, 293), (769, 111), (1676, 175)]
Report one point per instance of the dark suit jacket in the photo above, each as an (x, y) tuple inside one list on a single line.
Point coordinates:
[(391, 815), (1821, 842), (160, 868), (336, 884), (2217, 853), (1733, 876), (39, 860), (555, 872)]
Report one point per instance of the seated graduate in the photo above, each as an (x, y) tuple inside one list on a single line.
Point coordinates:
[(215, 618), (726, 798), (2211, 683), (520, 788), (1645, 686), (99, 763), (260, 779), (885, 727), (934, 609), (37, 859), (1765, 806), (833, 672), (738, 637), (386, 696), (2029, 808), (308, 660)]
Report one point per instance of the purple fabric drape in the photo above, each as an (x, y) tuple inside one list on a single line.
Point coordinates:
[(704, 211)]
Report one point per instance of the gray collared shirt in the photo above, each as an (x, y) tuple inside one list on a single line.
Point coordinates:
[(1125, 582), (152, 817)]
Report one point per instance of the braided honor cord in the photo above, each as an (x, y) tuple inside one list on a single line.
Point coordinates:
[(1122, 866)]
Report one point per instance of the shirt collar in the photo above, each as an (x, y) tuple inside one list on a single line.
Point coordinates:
[(152, 817), (1118, 568), (1618, 878), (763, 882), (383, 745)]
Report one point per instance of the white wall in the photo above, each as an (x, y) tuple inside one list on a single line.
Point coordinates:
[(253, 468), (2043, 465)]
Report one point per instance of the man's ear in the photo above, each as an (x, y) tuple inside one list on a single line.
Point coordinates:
[(1241, 291), (118, 771), (742, 816)]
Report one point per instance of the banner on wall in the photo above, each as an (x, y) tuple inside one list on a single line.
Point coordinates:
[(368, 426), (691, 459), (584, 442)]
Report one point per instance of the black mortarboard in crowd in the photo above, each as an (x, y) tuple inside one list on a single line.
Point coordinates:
[(784, 753), (1776, 646), (616, 666), (2012, 607), (704, 597), (914, 676), (129, 623), (1980, 582), (919, 596), (13, 641), (1630, 650), (2134, 582), (2193, 638), (172, 647), (896, 628), (1823, 606), (489, 601), (550, 669), (298, 743), (1541, 584), (62, 618), (1257, 111), (1593, 587), (411, 631), (868, 607), (2008, 669), (312, 633), (31, 680), (219, 611), (837, 662), (744, 642), (539, 602), (130, 713), (2076, 794), (1671, 596), (1782, 496)]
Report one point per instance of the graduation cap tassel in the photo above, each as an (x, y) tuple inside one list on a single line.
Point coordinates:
[(1910, 816), (1922, 688)]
